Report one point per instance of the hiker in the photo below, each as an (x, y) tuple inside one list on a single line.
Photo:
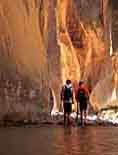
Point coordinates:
[(82, 97), (67, 99)]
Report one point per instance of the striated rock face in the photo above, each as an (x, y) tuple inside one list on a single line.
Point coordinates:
[(85, 42), (20, 30), (43, 42), (105, 94), (92, 51), (115, 24), (85, 39), (53, 53), (23, 58)]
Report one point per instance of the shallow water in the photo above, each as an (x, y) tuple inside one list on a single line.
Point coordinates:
[(59, 141)]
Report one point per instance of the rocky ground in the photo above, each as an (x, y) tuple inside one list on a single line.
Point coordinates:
[(57, 119)]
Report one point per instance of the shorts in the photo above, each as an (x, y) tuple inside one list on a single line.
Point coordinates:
[(83, 106), (67, 107)]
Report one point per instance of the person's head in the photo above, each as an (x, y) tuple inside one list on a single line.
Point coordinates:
[(68, 82), (81, 83)]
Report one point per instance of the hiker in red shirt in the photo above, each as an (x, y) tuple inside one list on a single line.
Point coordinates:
[(82, 97)]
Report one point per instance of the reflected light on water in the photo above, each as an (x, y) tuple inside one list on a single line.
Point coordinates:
[(57, 140)]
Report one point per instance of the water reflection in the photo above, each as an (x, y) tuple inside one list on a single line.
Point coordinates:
[(59, 141), (91, 141)]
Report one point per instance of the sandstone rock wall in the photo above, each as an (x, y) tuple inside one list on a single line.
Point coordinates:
[(105, 93), (43, 42), (115, 24), (88, 36), (23, 58)]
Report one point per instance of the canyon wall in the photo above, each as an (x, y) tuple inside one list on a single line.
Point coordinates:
[(43, 43), (105, 93), (23, 57), (115, 24)]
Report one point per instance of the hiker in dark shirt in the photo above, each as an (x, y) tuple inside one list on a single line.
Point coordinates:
[(82, 97), (67, 99)]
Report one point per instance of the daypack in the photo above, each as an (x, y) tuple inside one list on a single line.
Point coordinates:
[(81, 95), (67, 93)]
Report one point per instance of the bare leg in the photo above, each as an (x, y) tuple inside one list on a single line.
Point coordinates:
[(81, 117), (84, 116), (64, 118), (68, 118), (77, 111)]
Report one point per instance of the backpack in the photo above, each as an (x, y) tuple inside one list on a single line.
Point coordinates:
[(67, 93), (82, 95)]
